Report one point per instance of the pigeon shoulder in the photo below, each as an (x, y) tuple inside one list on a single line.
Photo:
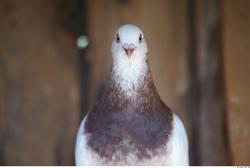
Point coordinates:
[(81, 152), (178, 144)]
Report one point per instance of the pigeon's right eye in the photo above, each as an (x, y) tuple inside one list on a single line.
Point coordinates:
[(117, 38)]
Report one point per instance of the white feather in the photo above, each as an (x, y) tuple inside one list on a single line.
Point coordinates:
[(178, 144)]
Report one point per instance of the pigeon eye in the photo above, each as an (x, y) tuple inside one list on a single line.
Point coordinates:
[(140, 38), (117, 38)]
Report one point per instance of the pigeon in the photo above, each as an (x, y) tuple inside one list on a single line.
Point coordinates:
[(130, 124)]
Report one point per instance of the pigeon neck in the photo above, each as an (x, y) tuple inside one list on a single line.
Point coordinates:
[(144, 95), (130, 77)]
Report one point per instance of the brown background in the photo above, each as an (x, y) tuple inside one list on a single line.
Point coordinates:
[(198, 53)]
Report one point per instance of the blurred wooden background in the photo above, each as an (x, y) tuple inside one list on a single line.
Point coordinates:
[(198, 53)]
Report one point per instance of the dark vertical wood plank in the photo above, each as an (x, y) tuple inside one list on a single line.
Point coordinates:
[(193, 84), (2, 122), (210, 127)]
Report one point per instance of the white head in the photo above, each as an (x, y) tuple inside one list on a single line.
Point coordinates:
[(129, 53), (129, 44)]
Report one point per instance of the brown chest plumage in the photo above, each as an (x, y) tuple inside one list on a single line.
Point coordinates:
[(140, 124)]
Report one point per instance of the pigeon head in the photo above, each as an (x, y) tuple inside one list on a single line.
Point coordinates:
[(129, 44)]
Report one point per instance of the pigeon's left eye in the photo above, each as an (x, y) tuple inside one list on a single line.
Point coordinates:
[(140, 38), (117, 38)]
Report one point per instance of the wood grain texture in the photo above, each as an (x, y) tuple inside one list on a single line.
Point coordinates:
[(39, 85), (236, 37), (212, 132)]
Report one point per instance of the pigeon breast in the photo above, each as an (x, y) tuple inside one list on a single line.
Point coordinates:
[(119, 126)]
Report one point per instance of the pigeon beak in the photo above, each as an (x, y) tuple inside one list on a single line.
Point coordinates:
[(129, 49)]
